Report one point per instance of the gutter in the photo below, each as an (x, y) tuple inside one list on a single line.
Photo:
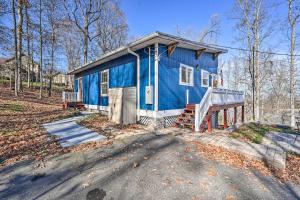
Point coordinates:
[(138, 81)]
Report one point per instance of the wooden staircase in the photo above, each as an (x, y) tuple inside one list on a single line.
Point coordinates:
[(187, 119), (74, 105)]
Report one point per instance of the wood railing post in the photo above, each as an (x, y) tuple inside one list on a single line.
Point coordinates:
[(225, 119), (234, 115), (209, 123), (243, 114)]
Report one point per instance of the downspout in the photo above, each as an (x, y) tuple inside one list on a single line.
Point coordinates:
[(138, 81)]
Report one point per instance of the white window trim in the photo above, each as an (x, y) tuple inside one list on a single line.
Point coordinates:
[(188, 67), (104, 71), (202, 75)]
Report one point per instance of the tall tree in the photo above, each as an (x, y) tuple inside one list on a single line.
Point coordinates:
[(84, 13), (293, 20), (41, 48), (253, 24), (53, 20), (28, 41), (15, 45), (20, 38)]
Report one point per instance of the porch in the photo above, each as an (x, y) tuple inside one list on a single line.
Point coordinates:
[(72, 100), (198, 117)]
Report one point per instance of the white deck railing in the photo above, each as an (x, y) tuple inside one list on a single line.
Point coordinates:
[(224, 96), (70, 97), (215, 96)]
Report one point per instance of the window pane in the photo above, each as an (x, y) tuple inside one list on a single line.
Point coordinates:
[(189, 78), (183, 75), (104, 88), (104, 77)]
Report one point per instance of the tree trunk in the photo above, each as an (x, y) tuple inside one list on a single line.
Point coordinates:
[(20, 34), (52, 63), (41, 51), (86, 32), (292, 77), (28, 45), (16, 47)]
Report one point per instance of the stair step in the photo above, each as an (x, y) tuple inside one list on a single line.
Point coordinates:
[(190, 106), (188, 110)]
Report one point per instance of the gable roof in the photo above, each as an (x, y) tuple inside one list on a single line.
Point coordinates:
[(156, 37)]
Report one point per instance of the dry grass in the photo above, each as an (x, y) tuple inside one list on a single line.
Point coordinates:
[(255, 132)]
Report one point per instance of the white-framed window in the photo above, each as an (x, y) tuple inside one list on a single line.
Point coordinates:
[(204, 78), (104, 82), (186, 75), (214, 80)]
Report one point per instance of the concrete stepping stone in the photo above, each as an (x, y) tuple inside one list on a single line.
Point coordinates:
[(70, 133)]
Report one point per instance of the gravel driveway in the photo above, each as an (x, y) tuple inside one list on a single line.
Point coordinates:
[(139, 167)]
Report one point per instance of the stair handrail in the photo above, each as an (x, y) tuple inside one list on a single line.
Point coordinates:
[(202, 108)]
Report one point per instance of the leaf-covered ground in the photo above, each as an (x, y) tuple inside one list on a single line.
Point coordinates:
[(21, 133), (101, 124), (22, 136), (290, 173)]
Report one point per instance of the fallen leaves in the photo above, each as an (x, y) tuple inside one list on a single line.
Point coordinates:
[(290, 173), (212, 171), (22, 135)]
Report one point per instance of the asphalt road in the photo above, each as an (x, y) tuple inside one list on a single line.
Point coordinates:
[(140, 167)]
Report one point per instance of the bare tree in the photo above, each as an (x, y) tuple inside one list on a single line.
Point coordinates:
[(53, 20), (293, 20), (212, 31), (111, 28), (41, 47), (16, 45), (253, 26), (84, 13), (28, 41), (71, 43), (20, 38)]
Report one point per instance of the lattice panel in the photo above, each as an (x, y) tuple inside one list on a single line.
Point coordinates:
[(170, 121)]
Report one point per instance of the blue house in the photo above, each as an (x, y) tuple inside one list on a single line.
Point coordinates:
[(167, 72)]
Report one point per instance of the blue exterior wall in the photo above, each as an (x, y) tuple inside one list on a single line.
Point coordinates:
[(171, 94), (122, 73)]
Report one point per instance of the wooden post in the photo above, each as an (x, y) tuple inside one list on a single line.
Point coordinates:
[(209, 123), (234, 115), (225, 119), (243, 114)]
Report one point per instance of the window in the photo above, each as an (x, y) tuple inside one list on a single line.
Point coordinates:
[(204, 78), (104, 83), (186, 75)]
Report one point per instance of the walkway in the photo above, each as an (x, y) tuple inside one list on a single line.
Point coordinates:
[(70, 133), (268, 152), (288, 142)]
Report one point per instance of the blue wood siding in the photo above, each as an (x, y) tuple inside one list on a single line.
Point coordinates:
[(144, 76), (123, 75), (171, 94), (85, 89), (94, 89)]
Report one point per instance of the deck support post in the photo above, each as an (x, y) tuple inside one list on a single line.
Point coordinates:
[(225, 119), (209, 123), (234, 115), (243, 114)]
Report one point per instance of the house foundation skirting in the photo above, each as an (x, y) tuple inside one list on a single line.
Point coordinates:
[(164, 118), (162, 122)]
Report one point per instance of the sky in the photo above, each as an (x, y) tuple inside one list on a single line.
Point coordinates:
[(145, 17)]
